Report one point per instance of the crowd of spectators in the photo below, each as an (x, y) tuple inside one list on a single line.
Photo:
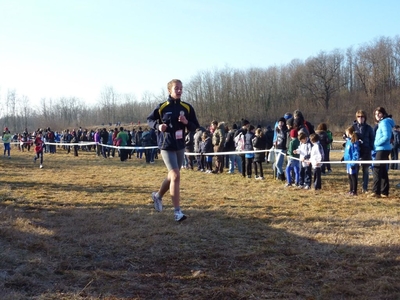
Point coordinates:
[(231, 141)]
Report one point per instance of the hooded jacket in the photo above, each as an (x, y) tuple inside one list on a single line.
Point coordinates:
[(168, 113), (384, 134)]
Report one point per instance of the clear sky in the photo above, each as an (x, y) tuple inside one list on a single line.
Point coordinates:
[(64, 48)]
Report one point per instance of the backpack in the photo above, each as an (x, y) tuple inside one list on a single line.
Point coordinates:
[(321, 150), (229, 141), (329, 133), (239, 142), (50, 135), (146, 139)]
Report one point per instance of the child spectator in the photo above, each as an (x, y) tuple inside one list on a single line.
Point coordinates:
[(304, 151), (293, 160), (352, 153), (316, 157), (259, 143)]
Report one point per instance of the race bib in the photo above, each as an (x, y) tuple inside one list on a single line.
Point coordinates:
[(179, 134)]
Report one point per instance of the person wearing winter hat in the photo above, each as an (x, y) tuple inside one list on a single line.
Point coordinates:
[(288, 115)]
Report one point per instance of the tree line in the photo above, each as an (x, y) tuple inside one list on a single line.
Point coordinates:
[(328, 87)]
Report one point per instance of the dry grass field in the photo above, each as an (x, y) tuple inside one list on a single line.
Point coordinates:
[(85, 228)]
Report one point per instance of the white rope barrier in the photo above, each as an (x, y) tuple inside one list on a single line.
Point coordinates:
[(276, 152)]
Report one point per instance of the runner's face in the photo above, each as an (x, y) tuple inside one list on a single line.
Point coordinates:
[(176, 90)]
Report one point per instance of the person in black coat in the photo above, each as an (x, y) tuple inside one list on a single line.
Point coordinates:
[(259, 143)]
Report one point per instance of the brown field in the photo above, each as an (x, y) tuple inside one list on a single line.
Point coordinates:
[(85, 228)]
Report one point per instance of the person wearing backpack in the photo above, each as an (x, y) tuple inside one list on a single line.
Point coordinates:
[(145, 141), (242, 132), (395, 147)]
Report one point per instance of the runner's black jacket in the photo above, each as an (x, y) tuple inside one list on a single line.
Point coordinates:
[(168, 112)]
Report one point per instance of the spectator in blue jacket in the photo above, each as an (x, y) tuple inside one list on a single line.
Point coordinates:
[(382, 147), (352, 153)]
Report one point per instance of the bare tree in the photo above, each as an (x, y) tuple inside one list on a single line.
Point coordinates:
[(108, 104), (322, 78)]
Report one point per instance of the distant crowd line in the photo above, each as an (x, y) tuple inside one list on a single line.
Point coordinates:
[(105, 143)]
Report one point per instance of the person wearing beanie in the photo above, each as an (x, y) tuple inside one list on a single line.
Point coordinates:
[(289, 125), (293, 164), (288, 115), (293, 133)]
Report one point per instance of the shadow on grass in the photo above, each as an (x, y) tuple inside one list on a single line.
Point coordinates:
[(132, 252), (95, 247)]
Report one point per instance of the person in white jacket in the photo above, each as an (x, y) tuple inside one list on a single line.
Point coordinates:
[(316, 157), (305, 169)]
